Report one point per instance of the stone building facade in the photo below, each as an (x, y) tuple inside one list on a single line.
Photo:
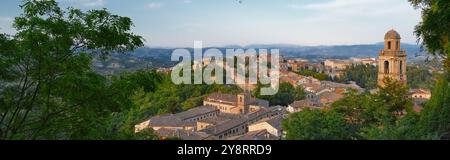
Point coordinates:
[(392, 59)]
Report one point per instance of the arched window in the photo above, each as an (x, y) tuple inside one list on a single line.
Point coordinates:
[(386, 67), (401, 67), (389, 45)]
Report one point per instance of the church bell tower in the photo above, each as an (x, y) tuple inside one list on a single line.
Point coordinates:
[(392, 60)]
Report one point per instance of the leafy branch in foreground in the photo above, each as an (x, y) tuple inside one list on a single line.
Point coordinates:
[(48, 90)]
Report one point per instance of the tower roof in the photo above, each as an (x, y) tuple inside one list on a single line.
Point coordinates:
[(392, 34)]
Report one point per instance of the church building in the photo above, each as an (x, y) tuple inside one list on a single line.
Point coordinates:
[(392, 59)]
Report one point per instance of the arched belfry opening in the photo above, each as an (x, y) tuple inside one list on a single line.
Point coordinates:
[(401, 67), (386, 67), (392, 59)]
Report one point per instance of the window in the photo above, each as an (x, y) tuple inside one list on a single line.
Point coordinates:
[(386, 67), (401, 67), (389, 45), (398, 46)]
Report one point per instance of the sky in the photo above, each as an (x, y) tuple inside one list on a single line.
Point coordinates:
[(178, 23)]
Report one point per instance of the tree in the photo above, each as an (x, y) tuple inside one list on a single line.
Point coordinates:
[(192, 103), (380, 115), (319, 76), (299, 93), (405, 129), (434, 33), (316, 125), (364, 75), (146, 134), (394, 96), (420, 77), (434, 30), (358, 109), (286, 94), (49, 90), (435, 119)]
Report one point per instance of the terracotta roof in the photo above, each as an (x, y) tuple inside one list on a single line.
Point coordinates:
[(329, 97), (216, 120), (228, 98), (232, 99), (227, 125), (167, 120), (420, 91), (195, 112), (273, 121), (178, 120), (182, 134), (234, 122), (304, 104)]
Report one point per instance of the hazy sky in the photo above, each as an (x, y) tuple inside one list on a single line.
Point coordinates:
[(177, 23)]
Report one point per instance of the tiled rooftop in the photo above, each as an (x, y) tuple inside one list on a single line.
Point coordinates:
[(177, 120)]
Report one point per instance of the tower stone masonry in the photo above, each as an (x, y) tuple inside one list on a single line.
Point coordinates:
[(392, 60)]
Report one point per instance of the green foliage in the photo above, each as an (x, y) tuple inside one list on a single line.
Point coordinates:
[(47, 87), (310, 73), (146, 134), (435, 119), (359, 116), (394, 96), (364, 75), (359, 109), (299, 93), (192, 103), (434, 30), (166, 98), (419, 77), (316, 125), (286, 94), (432, 123)]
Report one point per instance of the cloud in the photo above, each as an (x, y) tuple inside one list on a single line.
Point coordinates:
[(295, 6), (342, 10), (340, 4), (6, 25), (6, 19), (153, 5), (87, 3), (350, 21)]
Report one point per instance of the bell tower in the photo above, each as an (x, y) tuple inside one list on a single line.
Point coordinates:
[(243, 100), (392, 60)]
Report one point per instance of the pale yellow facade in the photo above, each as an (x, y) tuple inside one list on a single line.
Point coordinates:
[(265, 126)]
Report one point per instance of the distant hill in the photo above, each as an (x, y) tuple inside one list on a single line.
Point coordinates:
[(160, 57), (298, 51), (338, 51)]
